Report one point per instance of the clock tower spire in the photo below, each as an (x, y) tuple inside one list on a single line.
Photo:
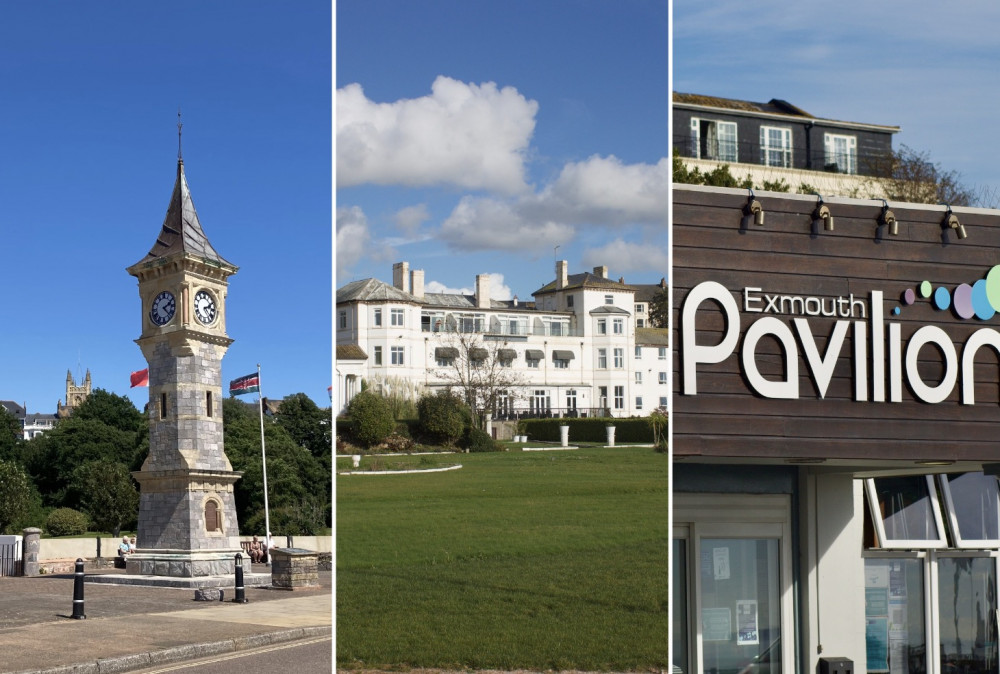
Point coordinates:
[(187, 514)]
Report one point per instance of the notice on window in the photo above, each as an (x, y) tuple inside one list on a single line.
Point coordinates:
[(716, 624), (746, 622), (877, 642), (720, 562)]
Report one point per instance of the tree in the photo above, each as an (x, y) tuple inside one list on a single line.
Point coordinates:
[(308, 425), (371, 418), (659, 309), (298, 482), (910, 176), (441, 417), (10, 434), (107, 493), (15, 495), (482, 373), (114, 410)]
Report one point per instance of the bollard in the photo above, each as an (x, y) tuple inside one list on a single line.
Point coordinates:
[(240, 597), (78, 591)]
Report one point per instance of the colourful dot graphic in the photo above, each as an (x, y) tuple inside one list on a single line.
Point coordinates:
[(909, 297), (942, 299), (925, 289), (981, 301), (963, 301)]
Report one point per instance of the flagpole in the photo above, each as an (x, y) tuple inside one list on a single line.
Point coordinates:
[(263, 464)]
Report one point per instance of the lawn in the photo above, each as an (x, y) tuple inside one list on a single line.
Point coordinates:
[(533, 560)]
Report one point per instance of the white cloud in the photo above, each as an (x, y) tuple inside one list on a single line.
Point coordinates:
[(498, 289), (623, 257), (490, 224), (603, 190), (410, 218), (353, 238), (469, 135)]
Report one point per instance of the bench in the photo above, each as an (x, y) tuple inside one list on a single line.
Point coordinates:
[(246, 550)]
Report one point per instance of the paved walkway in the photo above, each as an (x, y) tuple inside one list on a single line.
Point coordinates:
[(130, 627)]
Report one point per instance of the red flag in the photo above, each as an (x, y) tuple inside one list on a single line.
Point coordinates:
[(140, 378)]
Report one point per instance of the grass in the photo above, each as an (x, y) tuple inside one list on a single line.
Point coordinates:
[(517, 560)]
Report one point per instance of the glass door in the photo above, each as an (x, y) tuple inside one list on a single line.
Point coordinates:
[(967, 618)]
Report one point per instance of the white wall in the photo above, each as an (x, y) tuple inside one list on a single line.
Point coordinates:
[(86, 548), (832, 523)]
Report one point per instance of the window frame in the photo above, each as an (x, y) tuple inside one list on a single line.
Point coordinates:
[(766, 148), (906, 543)]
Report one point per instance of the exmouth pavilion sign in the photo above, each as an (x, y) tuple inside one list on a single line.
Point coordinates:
[(877, 343)]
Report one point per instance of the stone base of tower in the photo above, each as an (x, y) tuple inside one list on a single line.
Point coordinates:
[(184, 563)]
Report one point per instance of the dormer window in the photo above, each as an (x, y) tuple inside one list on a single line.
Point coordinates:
[(776, 146), (714, 140), (841, 153)]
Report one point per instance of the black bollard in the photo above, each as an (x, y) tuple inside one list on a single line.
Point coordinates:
[(240, 597), (78, 591)]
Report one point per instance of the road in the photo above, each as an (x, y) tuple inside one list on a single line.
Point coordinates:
[(308, 655)]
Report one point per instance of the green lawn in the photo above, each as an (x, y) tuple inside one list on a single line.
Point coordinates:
[(535, 560)]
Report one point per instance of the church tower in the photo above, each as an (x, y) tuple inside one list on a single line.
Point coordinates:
[(187, 513)]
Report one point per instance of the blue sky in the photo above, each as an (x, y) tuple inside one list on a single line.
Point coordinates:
[(88, 138), (474, 138), (927, 67)]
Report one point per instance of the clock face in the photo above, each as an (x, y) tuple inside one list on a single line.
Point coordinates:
[(204, 307), (162, 309)]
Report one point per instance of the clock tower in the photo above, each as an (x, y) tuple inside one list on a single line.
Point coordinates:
[(187, 513)]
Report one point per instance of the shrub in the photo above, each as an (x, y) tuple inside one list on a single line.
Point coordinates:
[(371, 418), (66, 522), (441, 417), (398, 443), (591, 429), (480, 441)]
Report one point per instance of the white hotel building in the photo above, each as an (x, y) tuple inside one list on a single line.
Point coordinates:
[(581, 348)]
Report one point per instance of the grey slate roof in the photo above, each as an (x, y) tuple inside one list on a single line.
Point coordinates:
[(609, 309), (14, 408), (775, 106), (372, 290), (584, 280), (181, 231), (645, 293)]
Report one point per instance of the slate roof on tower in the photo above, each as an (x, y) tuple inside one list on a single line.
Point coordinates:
[(181, 231)]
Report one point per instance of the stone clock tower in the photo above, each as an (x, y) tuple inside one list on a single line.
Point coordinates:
[(187, 514)]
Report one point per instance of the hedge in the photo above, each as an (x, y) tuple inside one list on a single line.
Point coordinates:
[(590, 429)]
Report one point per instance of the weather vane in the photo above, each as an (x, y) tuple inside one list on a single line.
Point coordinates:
[(179, 125)]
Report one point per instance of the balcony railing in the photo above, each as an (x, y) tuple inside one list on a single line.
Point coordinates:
[(506, 330)]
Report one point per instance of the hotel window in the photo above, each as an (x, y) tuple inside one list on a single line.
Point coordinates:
[(619, 397), (619, 358), (619, 325), (602, 326), (342, 319), (396, 317), (640, 322), (396, 353), (377, 320), (661, 353), (539, 402), (378, 355), (841, 153), (602, 359), (638, 352), (663, 401), (638, 402), (560, 363), (569, 301), (638, 376), (776, 146), (571, 399), (532, 363), (609, 299), (640, 308), (663, 378), (714, 140)]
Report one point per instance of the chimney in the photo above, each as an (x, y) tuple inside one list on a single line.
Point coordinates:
[(601, 271), (482, 291), (401, 276), (417, 283), (663, 282), (515, 300), (562, 274), (621, 279)]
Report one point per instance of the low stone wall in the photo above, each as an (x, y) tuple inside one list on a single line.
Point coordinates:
[(294, 568)]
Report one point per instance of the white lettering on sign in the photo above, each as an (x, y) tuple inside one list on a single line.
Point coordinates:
[(869, 363)]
